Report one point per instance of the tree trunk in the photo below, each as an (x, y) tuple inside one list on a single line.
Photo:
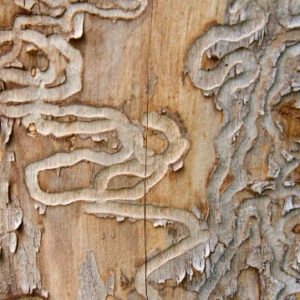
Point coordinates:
[(150, 149)]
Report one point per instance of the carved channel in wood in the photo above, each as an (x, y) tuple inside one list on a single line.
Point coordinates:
[(256, 66), (253, 216)]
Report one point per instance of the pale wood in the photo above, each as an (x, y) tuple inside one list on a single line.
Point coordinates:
[(231, 231)]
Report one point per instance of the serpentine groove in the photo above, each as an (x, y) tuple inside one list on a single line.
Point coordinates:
[(254, 74)]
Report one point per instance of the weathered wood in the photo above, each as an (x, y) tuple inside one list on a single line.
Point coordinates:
[(150, 149)]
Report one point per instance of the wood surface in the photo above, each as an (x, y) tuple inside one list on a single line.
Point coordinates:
[(149, 149)]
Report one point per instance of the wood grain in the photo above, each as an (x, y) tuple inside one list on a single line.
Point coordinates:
[(149, 149)]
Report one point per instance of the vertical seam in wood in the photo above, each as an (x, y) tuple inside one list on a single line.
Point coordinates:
[(146, 149)]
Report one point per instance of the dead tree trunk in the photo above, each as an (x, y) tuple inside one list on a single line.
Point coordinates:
[(150, 149)]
